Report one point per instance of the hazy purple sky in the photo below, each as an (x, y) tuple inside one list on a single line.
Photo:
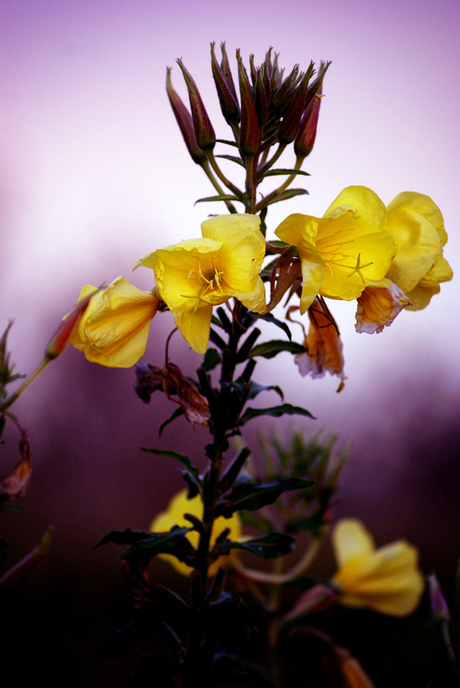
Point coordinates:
[(94, 173)]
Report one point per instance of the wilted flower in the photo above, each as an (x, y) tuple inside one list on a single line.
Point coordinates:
[(114, 328), (419, 266), (352, 672), (385, 579), (378, 307), (345, 250), (323, 346), (197, 274), (174, 516)]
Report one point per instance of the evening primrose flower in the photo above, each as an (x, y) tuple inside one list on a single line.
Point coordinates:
[(385, 579), (174, 516), (197, 274), (114, 328), (345, 250), (419, 266), (378, 307)]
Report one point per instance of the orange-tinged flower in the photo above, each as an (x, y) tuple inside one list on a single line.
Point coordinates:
[(345, 250), (197, 274), (419, 266), (385, 579), (114, 328), (378, 307), (174, 516)]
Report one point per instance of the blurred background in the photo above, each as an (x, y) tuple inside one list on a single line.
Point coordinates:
[(94, 174)]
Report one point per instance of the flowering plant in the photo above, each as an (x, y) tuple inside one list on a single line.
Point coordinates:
[(220, 289)]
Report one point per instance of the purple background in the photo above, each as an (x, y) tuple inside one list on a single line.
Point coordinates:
[(94, 174)]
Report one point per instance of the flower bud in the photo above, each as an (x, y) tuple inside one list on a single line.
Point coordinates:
[(184, 120), (226, 72), (291, 122), (228, 103), (249, 129), (204, 131), (305, 139), (439, 608), (63, 334)]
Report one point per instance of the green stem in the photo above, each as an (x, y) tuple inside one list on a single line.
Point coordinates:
[(272, 197), (216, 169), (25, 384), (205, 165)]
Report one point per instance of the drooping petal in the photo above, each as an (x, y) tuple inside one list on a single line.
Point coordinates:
[(351, 540), (323, 347), (194, 326), (378, 307), (113, 331), (174, 516), (254, 300)]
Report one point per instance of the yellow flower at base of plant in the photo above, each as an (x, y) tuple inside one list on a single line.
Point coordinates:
[(197, 274), (386, 580), (419, 266), (174, 516), (345, 250), (114, 328)]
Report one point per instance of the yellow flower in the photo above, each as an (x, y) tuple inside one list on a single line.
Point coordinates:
[(386, 580), (174, 516), (378, 307), (114, 328), (197, 274), (345, 250), (419, 266)]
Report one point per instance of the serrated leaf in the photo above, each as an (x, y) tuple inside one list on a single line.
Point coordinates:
[(270, 546), (274, 347), (275, 411), (273, 173), (178, 412), (220, 197), (232, 158), (252, 496), (269, 317), (211, 360)]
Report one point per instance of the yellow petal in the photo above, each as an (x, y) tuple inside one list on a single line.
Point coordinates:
[(367, 207), (254, 300), (195, 326), (113, 331), (378, 307), (422, 205), (174, 516), (350, 539)]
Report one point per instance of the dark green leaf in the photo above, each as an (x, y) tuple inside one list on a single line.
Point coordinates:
[(269, 317), (123, 537), (232, 158), (275, 411), (274, 347), (212, 358), (289, 193), (227, 142), (251, 496), (174, 542), (220, 197), (191, 470), (270, 546), (273, 173), (254, 520), (178, 412), (193, 488), (255, 389)]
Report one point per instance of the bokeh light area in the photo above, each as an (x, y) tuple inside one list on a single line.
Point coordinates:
[(94, 174)]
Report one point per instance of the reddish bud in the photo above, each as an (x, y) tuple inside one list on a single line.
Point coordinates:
[(439, 608), (249, 129), (226, 72), (184, 120), (204, 132), (291, 122), (305, 139), (228, 103), (61, 337)]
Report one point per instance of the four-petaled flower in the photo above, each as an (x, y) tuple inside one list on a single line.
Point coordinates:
[(197, 274), (346, 250), (385, 579), (175, 516)]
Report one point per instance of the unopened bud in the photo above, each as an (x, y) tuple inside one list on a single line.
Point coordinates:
[(249, 129), (63, 334), (184, 120), (305, 139), (228, 103), (204, 131), (317, 599), (439, 608), (291, 122), (227, 73)]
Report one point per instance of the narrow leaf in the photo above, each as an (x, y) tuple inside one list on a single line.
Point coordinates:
[(252, 496), (289, 193), (269, 317), (270, 546), (178, 412), (275, 347), (184, 460), (273, 173), (275, 411), (212, 358), (220, 197), (232, 158)]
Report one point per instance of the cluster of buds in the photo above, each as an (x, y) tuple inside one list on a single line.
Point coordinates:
[(272, 110)]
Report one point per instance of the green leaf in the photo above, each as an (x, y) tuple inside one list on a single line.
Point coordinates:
[(289, 193), (275, 411), (251, 496), (274, 347), (232, 158), (173, 542), (178, 412), (255, 389), (220, 197), (123, 537), (269, 317), (270, 546), (273, 173), (227, 142), (184, 460), (212, 358), (254, 520)]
